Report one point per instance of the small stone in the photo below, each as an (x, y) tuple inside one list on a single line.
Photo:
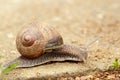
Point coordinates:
[(38, 73), (119, 75), (111, 76), (56, 19), (62, 78), (3, 51), (106, 73), (10, 35), (70, 78), (77, 78), (90, 76), (49, 79), (100, 15), (74, 41), (97, 79), (84, 78), (13, 51), (87, 77)]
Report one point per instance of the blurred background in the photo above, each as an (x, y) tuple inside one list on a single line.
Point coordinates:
[(78, 21)]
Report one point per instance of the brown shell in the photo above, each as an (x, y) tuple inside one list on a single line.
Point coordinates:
[(35, 39)]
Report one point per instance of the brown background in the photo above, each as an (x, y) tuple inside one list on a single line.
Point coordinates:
[(78, 21)]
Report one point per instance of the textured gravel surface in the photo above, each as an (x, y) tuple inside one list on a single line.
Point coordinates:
[(78, 21)]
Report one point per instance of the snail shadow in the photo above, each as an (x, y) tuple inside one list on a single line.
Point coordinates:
[(66, 61)]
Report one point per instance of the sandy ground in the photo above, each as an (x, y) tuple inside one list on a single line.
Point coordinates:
[(78, 21)]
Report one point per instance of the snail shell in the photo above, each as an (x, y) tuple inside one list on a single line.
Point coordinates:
[(41, 43), (35, 39)]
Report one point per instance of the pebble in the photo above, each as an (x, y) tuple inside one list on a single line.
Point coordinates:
[(10, 35), (87, 77), (100, 15), (3, 51), (97, 79), (112, 76), (13, 51), (56, 19), (77, 78)]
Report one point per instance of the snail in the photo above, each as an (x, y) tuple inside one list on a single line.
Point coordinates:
[(41, 43)]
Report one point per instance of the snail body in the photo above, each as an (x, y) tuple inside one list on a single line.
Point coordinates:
[(41, 43), (65, 53)]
